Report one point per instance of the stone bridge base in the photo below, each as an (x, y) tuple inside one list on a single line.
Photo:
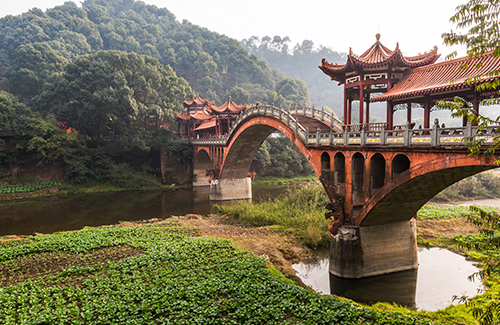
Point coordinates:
[(358, 252), (231, 189), (200, 178)]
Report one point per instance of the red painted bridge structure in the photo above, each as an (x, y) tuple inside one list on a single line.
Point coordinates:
[(376, 179), (377, 175)]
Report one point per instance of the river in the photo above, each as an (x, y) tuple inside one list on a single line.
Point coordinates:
[(440, 276)]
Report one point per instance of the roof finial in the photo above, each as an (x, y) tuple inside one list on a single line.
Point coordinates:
[(377, 36), (229, 98)]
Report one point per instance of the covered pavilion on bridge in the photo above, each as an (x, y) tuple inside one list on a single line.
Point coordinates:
[(203, 119), (380, 74)]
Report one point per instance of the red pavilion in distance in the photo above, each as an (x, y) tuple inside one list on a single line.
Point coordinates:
[(203, 119), (375, 71)]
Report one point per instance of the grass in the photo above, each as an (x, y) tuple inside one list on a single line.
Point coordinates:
[(300, 211), (428, 212), (271, 180), (158, 274)]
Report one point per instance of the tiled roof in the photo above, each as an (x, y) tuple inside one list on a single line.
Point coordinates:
[(375, 57), (184, 116), (442, 77), (200, 116), (198, 101), (206, 125), (227, 107)]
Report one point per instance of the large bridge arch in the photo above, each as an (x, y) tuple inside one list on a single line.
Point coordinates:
[(400, 199), (248, 138)]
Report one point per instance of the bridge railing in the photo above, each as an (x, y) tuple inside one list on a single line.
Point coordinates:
[(319, 114), (359, 134), (261, 110), (405, 136)]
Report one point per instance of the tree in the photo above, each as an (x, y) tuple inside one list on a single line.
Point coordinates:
[(34, 64), (483, 35), (115, 94), (13, 117), (481, 19)]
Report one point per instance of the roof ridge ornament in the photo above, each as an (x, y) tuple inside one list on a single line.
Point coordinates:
[(377, 36)]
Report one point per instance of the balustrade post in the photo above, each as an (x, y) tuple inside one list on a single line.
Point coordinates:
[(323, 114), (307, 135), (331, 137), (280, 113), (407, 134), (383, 135), (434, 133), (288, 119), (318, 137), (468, 129), (346, 135), (297, 130), (363, 134)]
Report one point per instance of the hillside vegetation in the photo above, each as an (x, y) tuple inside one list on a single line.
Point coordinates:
[(95, 90)]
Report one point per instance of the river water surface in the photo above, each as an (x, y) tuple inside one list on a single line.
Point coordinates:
[(440, 276)]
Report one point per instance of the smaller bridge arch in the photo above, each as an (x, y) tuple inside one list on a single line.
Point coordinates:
[(377, 172), (201, 168), (400, 164)]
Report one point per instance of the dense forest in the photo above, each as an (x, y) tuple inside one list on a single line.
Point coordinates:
[(95, 89)]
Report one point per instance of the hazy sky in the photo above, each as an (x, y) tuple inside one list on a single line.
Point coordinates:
[(339, 24)]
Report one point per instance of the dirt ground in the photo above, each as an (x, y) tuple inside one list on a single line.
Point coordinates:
[(432, 229)]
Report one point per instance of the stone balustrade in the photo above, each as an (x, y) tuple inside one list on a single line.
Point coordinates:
[(357, 134)]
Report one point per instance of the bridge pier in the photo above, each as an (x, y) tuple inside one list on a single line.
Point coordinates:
[(363, 251), (231, 189), (200, 178)]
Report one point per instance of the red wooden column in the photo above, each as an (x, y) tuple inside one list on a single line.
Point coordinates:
[(475, 103), (427, 112), (408, 112), (368, 108), (345, 106), (389, 111), (361, 99), (349, 111)]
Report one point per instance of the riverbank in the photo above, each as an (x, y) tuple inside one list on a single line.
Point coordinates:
[(162, 271)]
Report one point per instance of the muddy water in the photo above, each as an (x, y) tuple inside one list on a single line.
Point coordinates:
[(49, 215), (441, 275)]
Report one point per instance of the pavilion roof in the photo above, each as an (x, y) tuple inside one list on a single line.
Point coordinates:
[(377, 56), (206, 125), (443, 77), (227, 107), (197, 101), (200, 116)]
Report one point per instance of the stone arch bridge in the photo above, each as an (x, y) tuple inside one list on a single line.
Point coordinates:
[(376, 179)]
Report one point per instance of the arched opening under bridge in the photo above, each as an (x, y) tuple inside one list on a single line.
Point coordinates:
[(242, 148), (201, 168)]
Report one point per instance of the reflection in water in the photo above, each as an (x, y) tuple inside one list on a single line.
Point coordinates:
[(440, 276), (48, 215), (399, 287)]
